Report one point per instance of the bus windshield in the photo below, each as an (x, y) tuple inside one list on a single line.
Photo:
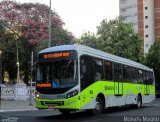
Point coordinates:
[(58, 73)]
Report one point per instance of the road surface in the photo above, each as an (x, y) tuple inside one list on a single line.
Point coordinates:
[(148, 113)]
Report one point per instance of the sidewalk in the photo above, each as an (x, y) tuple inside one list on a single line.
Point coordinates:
[(10, 105)]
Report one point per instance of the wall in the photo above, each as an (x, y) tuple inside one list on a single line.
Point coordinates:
[(12, 93), (149, 27)]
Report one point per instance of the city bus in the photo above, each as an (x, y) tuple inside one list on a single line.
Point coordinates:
[(77, 77)]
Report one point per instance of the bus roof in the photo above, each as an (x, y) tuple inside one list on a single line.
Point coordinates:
[(97, 53)]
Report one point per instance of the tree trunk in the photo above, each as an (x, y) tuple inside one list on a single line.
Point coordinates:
[(26, 74)]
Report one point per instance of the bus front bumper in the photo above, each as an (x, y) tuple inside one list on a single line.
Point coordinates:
[(70, 103)]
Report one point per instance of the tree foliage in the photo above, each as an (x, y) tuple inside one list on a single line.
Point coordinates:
[(153, 59), (7, 46), (59, 37), (119, 38), (88, 39), (28, 19), (115, 37)]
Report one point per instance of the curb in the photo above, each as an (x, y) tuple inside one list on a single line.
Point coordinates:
[(17, 110)]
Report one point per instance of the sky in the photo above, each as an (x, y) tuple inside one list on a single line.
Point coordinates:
[(81, 16)]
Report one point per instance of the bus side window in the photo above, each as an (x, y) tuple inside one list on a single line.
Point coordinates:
[(126, 73), (117, 72), (98, 68), (151, 79), (86, 71), (145, 75), (133, 75), (108, 70), (140, 76)]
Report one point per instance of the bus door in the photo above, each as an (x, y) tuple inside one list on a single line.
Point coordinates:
[(146, 83), (86, 79), (146, 89), (118, 84)]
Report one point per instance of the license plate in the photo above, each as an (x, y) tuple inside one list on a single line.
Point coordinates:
[(50, 107)]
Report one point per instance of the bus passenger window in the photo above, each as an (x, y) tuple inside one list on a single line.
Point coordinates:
[(117, 73), (140, 76), (98, 68), (151, 79), (145, 77), (133, 75), (83, 67), (126, 73), (108, 70)]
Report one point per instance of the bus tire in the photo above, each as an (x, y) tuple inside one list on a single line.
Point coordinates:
[(99, 107), (64, 111), (139, 102)]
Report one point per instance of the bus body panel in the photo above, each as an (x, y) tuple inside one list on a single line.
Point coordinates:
[(86, 98)]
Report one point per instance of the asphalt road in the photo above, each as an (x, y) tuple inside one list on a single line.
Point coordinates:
[(148, 113)]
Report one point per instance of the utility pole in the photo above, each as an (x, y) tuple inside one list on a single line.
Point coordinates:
[(0, 75), (18, 74), (0, 66), (50, 37), (31, 79)]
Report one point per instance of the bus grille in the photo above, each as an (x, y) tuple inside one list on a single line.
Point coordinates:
[(52, 103)]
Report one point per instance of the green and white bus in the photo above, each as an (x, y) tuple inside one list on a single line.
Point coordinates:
[(77, 77)]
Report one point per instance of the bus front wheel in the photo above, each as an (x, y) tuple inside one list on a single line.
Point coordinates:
[(99, 107)]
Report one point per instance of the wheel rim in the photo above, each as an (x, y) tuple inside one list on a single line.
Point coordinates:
[(139, 102), (98, 105)]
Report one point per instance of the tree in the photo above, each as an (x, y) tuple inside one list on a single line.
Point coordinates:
[(29, 22), (59, 37), (8, 48), (119, 38), (88, 39), (153, 60), (28, 19)]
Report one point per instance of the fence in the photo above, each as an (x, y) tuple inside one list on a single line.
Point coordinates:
[(17, 92)]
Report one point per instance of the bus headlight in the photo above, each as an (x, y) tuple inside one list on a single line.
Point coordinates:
[(71, 94), (37, 95)]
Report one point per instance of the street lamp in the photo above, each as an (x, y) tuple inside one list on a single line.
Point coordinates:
[(18, 73), (18, 76), (0, 74), (0, 66)]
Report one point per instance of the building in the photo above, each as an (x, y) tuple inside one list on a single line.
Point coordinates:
[(145, 16), (128, 9)]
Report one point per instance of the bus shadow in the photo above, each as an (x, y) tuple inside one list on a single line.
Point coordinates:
[(85, 115), (119, 111), (70, 117)]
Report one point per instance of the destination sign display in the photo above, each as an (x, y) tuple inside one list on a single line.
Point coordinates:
[(56, 55)]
